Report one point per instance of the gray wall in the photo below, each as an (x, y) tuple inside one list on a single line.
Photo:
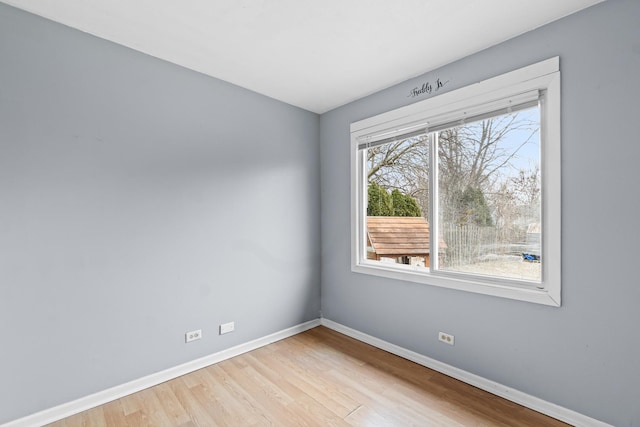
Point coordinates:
[(585, 354), (138, 201)]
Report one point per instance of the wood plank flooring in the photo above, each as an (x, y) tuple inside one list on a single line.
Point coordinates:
[(317, 378)]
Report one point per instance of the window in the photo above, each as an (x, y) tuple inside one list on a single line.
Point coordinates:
[(462, 190)]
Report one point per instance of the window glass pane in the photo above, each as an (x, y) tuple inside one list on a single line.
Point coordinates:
[(397, 176), (489, 196)]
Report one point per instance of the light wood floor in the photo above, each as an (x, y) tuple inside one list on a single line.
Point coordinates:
[(317, 378)]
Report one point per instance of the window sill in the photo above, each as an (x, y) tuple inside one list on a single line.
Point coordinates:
[(485, 287)]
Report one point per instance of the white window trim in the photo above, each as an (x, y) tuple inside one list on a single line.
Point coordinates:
[(545, 76)]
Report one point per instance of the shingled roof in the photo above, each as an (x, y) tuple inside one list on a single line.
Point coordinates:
[(394, 236)]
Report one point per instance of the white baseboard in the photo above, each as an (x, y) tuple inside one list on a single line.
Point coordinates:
[(67, 409), (524, 399)]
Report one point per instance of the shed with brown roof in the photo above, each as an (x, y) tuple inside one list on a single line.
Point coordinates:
[(400, 238)]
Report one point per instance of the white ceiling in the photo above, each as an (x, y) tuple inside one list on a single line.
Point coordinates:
[(315, 54)]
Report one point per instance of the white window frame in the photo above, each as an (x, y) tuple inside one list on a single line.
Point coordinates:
[(542, 76)]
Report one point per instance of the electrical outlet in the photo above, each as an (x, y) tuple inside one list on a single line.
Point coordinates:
[(193, 335), (446, 338), (225, 328)]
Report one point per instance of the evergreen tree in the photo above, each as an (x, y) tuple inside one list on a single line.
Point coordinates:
[(404, 205), (474, 208), (379, 203)]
